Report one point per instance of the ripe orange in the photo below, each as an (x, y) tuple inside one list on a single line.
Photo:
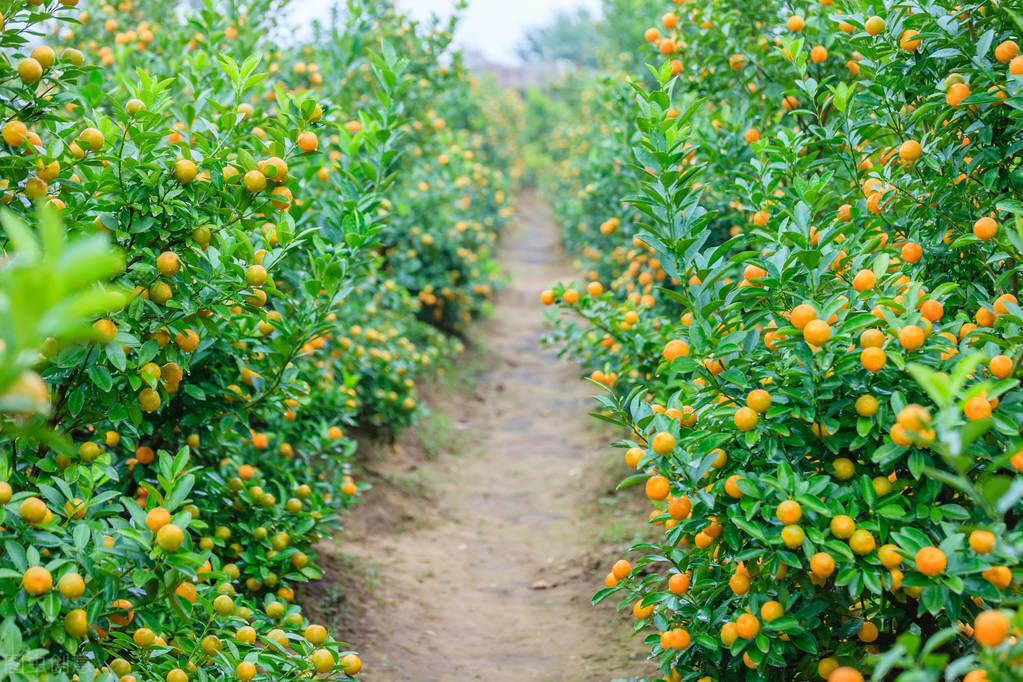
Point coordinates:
[(866, 406), (977, 408), (157, 518), (910, 151), (678, 583), (842, 527), (911, 252), (990, 628), (771, 610), (822, 564), (872, 338), (674, 349), (817, 332), (680, 508), (985, 228), (36, 581), (868, 632), (1000, 366), (759, 400), (739, 583), (732, 486), (1006, 51), (657, 487), (802, 314), (745, 419), (640, 611), (873, 359), (889, 556), (307, 141), (982, 541), (932, 310), (874, 25), (789, 511), (747, 626), (862, 542), (956, 93), (845, 674), (931, 561), (911, 337), (663, 443), (864, 280), (621, 569)]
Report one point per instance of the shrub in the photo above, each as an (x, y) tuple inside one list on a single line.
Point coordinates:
[(199, 303), (812, 340)]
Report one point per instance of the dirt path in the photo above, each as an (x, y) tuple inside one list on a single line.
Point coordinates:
[(480, 564)]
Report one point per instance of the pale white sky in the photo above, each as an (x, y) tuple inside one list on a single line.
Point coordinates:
[(494, 27)]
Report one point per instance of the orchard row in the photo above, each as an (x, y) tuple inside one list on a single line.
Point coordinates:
[(800, 235), (226, 249)]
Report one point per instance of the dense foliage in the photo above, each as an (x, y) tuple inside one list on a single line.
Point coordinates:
[(800, 243), (219, 257)]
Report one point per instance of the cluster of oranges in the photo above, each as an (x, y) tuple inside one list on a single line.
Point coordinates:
[(830, 430)]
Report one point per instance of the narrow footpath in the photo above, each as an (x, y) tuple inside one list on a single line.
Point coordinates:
[(478, 562)]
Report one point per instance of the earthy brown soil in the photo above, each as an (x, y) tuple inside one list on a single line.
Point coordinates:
[(487, 532)]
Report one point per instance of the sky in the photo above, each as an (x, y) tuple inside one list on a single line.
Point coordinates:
[(493, 27)]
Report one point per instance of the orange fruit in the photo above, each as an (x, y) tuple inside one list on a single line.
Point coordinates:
[(990, 628), (931, 561), (845, 674), (678, 583), (745, 419), (873, 359), (747, 626), (36, 581), (862, 542), (822, 564), (911, 337), (977, 408), (732, 486), (866, 406), (771, 610), (985, 228), (982, 541), (802, 314), (817, 332), (792, 536), (910, 151), (759, 400), (864, 280), (789, 512), (956, 93), (663, 443), (1000, 366), (657, 487), (842, 527)]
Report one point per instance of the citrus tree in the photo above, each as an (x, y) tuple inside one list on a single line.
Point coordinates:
[(820, 389), (200, 305)]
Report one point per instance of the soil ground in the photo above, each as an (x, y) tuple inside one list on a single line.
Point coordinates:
[(488, 529)]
